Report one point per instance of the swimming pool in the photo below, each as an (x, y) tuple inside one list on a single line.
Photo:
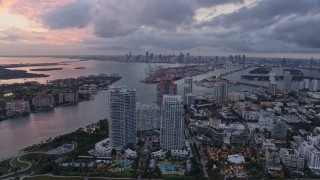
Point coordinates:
[(169, 167), (124, 164)]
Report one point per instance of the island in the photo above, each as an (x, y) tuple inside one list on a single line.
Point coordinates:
[(261, 70), (79, 68), (46, 69), (21, 99), (6, 74)]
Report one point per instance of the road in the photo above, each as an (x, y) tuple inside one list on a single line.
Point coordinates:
[(26, 162), (191, 138)]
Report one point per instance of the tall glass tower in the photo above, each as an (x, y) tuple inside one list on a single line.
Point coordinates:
[(122, 116), (287, 80), (187, 88), (172, 123)]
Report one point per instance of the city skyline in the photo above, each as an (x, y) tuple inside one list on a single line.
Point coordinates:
[(202, 27)]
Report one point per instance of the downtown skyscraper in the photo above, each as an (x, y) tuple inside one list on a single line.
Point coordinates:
[(187, 88), (122, 116), (272, 84), (172, 123), (221, 92), (287, 80)]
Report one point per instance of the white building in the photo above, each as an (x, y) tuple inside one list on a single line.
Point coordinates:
[(159, 154), (272, 84), (122, 116), (130, 153), (179, 153), (236, 159), (309, 149), (287, 80), (292, 158), (103, 149), (17, 107), (306, 83), (148, 117), (315, 95), (172, 123), (314, 85), (236, 96)]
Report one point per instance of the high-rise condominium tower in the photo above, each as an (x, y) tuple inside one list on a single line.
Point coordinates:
[(187, 89), (148, 117), (221, 92), (122, 116), (272, 84), (172, 123), (287, 80)]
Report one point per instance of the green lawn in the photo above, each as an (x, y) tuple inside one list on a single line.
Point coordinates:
[(4, 167), (16, 163)]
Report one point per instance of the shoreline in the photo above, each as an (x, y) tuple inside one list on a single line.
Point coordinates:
[(21, 151), (45, 109)]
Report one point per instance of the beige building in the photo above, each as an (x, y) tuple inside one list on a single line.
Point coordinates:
[(17, 107), (45, 101)]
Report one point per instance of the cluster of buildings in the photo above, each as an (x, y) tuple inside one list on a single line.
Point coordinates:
[(46, 101), (126, 116), (310, 150), (17, 107), (311, 85)]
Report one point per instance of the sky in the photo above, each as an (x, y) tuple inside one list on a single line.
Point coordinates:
[(269, 28)]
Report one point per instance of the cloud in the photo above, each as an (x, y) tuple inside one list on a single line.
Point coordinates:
[(299, 30), (11, 38), (110, 28), (76, 14), (293, 28), (219, 2), (264, 13), (268, 26), (6, 4), (165, 14)]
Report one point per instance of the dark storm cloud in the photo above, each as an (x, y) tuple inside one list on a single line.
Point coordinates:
[(166, 14), (267, 26), (300, 30), (72, 15), (219, 2), (271, 25), (110, 28), (265, 13)]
